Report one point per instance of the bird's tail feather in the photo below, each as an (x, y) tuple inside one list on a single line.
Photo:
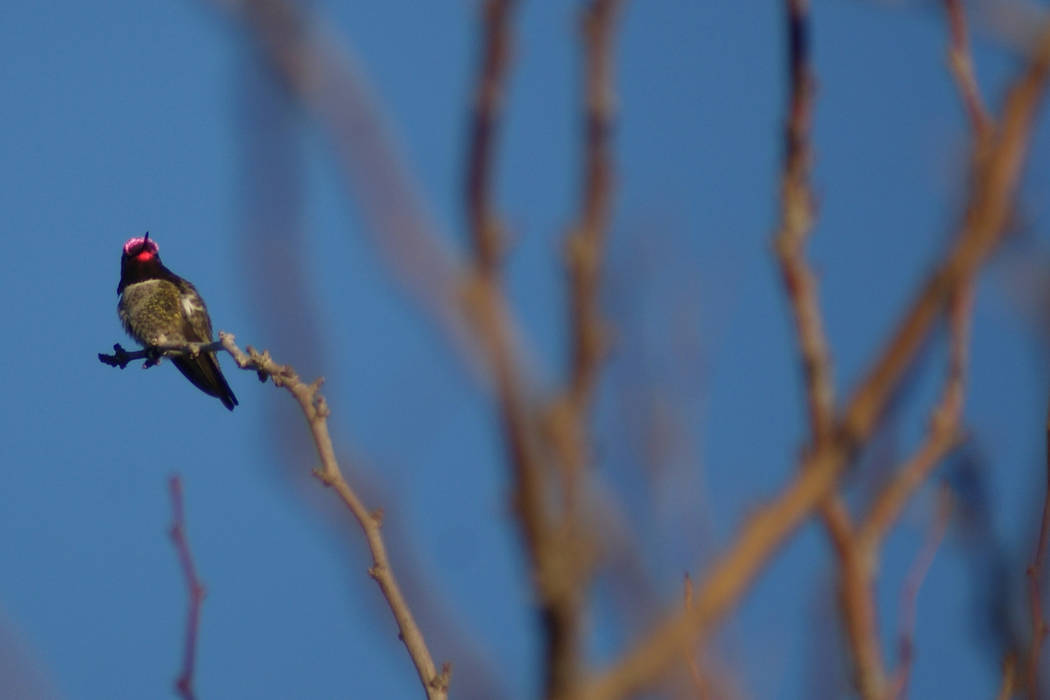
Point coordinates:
[(205, 374)]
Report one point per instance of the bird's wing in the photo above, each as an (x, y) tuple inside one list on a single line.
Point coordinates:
[(196, 322)]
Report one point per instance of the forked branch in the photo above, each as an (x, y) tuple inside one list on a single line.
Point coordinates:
[(315, 410), (990, 203)]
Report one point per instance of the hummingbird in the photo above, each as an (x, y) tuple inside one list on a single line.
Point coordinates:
[(157, 307)]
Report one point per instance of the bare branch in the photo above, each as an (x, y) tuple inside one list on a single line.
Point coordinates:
[(322, 74), (961, 65), (910, 592), (550, 559), (194, 589), (729, 576), (488, 103), (1035, 573), (860, 564), (315, 410), (483, 295), (796, 221), (944, 433), (860, 561), (152, 355), (986, 219), (584, 244), (856, 600), (565, 420)]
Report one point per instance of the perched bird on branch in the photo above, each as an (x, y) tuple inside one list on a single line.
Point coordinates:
[(159, 308)]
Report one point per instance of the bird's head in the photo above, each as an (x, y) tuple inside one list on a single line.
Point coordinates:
[(140, 262), (141, 249)]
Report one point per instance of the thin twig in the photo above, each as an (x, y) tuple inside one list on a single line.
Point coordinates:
[(483, 296), (861, 562), (961, 65), (315, 410), (857, 601), (986, 218), (910, 592), (729, 576), (585, 243), (552, 557), (488, 103), (566, 419), (194, 590), (796, 222), (944, 432), (121, 357), (1035, 574)]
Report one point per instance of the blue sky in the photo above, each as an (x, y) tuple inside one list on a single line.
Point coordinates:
[(123, 117)]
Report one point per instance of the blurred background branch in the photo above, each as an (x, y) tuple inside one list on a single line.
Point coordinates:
[(194, 590), (987, 214)]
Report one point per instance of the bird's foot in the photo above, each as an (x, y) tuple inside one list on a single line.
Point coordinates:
[(153, 357)]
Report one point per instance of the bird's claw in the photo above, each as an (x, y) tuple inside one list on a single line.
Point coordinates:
[(153, 357)]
